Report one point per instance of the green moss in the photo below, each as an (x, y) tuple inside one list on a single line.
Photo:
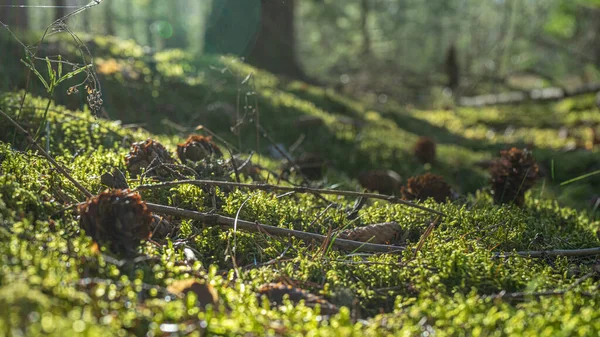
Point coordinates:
[(60, 285)]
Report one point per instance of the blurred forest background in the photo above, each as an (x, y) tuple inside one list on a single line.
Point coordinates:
[(374, 49)]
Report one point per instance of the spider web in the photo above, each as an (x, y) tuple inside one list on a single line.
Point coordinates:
[(85, 58)]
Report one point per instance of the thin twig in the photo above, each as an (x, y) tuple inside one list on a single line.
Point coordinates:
[(50, 159), (300, 189), (426, 234), (556, 252), (518, 295), (216, 219)]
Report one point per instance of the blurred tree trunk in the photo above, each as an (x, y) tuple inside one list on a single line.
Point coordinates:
[(452, 68), (14, 17), (174, 16), (129, 22), (109, 22), (364, 22), (274, 48), (59, 10)]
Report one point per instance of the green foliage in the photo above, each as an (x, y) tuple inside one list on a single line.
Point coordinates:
[(60, 285)]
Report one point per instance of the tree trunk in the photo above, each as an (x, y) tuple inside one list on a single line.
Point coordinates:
[(274, 47), (129, 22), (231, 26), (109, 22), (452, 68), (364, 17), (261, 30), (59, 10), (14, 17)]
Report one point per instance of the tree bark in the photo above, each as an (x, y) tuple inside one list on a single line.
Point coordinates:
[(364, 18), (261, 30), (15, 17), (60, 10), (109, 22), (231, 26), (274, 47), (452, 68), (129, 19)]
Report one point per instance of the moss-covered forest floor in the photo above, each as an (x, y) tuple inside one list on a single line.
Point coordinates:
[(459, 277)]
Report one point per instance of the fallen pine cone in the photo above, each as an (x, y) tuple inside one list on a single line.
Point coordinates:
[(382, 233), (512, 175), (245, 167), (424, 150), (116, 217), (311, 165), (197, 148), (116, 179), (382, 181), (149, 155), (276, 291), (205, 293), (426, 186)]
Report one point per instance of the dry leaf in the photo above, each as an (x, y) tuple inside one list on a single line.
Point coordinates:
[(205, 293), (276, 291), (382, 233)]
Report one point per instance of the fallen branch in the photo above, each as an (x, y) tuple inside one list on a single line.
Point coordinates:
[(219, 220), (50, 159), (556, 252), (267, 187), (537, 294), (537, 95)]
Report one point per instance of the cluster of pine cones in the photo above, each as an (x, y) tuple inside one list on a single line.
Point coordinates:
[(513, 174), (119, 218)]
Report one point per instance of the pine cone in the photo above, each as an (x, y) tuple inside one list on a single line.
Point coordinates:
[(276, 291), (205, 293), (512, 175), (117, 217), (197, 148), (382, 233), (426, 186), (424, 150), (311, 165), (245, 167), (383, 181), (149, 155)]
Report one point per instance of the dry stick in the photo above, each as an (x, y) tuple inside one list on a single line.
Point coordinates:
[(215, 219), (282, 153), (50, 159), (556, 252), (517, 295), (299, 189)]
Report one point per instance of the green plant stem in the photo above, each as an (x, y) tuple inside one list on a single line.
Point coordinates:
[(44, 120)]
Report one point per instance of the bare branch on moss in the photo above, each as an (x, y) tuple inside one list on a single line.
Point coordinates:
[(537, 294), (50, 159), (219, 220), (556, 252), (299, 189)]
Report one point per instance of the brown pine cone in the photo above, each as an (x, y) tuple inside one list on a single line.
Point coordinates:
[(149, 155), (382, 181), (118, 218), (425, 150), (426, 186), (381, 233), (276, 291), (512, 175), (197, 148), (311, 165)]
